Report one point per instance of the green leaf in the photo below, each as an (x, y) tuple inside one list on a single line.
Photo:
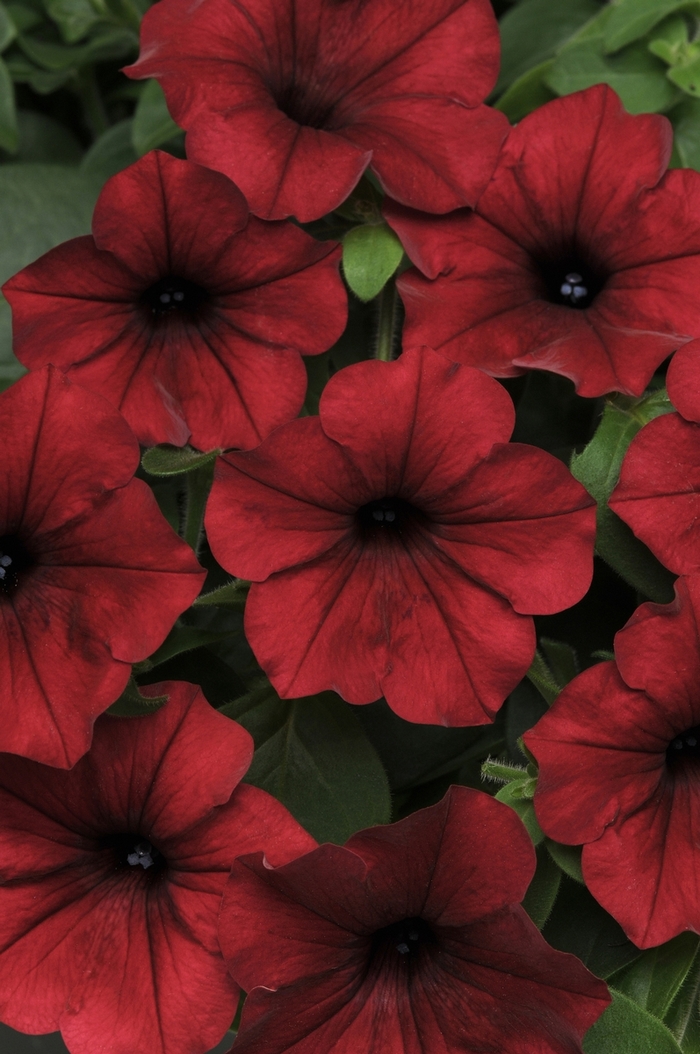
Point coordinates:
[(9, 135), (8, 29), (109, 44), (313, 756), (632, 19), (371, 255), (683, 1017), (685, 119), (511, 795), (542, 891), (131, 703), (73, 17), (24, 16), (111, 152), (232, 595), (527, 93), (540, 675), (40, 206), (579, 925), (686, 74), (153, 124), (638, 77), (169, 460), (182, 639), (598, 469), (45, 141), (533, 30), (670, 45), (655, 978), (41, 81), (562, 660), (568, 858), (625, 1028)]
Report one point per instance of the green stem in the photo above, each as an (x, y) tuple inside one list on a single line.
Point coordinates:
[(386, 329), (199, 482), (95, 112)]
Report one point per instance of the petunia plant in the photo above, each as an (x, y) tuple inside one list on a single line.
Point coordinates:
[(349, 545)]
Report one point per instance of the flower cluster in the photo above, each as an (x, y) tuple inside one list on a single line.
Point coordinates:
[(388, 539)]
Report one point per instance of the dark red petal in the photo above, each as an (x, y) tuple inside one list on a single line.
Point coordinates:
[(300, 489), (522, 526), (442, 649), (642, 870), (656, 652), (601, 752), (46, 482), (658, 493), (683, 381), (384, 414)]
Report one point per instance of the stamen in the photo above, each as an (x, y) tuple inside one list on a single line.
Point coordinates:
[(143, 854)]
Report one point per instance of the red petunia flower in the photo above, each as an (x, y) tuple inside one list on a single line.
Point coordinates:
[(184, 311), (683, 381), (92, 577), (619, 757), (293, 100), (410, 938), (112, 876), (400, 541), (581, 259), (658, 494)]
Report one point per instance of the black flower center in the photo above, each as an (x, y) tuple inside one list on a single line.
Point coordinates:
[(134, 853), (390, 515), (175, 294), (303, 105), (684, 747), (404, 941), (15, 560), (572, 281)]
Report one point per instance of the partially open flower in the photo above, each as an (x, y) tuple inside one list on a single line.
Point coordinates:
[(619, 759), (294, 99), (92, 577), (111, 878), (400, 542), (184, 311), (582, 258), (409, 938)]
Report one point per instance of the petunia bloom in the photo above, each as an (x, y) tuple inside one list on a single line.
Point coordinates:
[(92, 577), (293, 100), (619, 761), (683, 381), (398, 542), (409, 938), (582, 257), (658, 494), (111, 878), (182, 310)]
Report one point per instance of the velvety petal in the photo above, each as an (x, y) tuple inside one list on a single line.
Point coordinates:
[(642, 870), (435, 173), (403, 446), (47, 483), (553, 176), (284, 169), (683, 381), (601, 754), (110, 953), (441, 649), (658, 494), (402, 77), (223, 368), (484, 979), (655, 652), (153, 193), (300, 488), (524, 527)]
